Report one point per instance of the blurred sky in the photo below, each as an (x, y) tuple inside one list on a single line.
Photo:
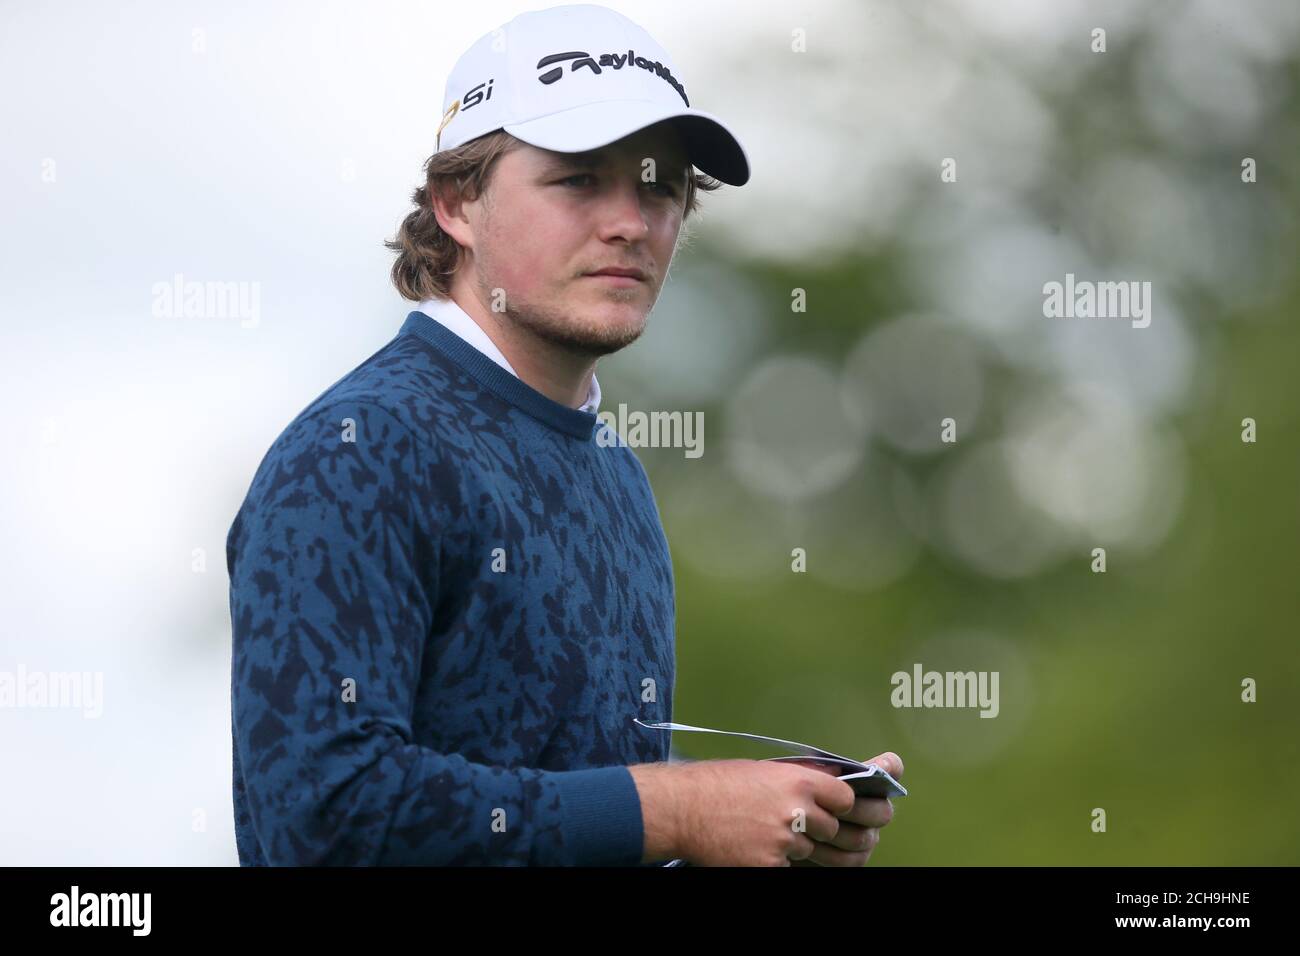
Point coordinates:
[(279, 144)]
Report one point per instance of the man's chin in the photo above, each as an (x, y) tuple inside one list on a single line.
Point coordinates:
[(596, 336), (595, 343), (584, 323)]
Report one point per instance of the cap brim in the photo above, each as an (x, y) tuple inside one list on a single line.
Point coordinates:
[(710, 146)]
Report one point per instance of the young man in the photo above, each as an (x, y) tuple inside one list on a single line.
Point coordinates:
[(451, 594)]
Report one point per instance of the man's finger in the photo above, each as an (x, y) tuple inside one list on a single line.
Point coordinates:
[(890, 762), (853, 838), (870, 812), (827, 855), (836, 796)]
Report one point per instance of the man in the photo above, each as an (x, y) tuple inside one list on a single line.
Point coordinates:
[(451, 594)]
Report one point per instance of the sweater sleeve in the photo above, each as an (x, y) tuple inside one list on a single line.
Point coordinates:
[(333, 562)]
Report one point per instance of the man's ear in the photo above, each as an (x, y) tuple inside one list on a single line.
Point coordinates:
[(450, 209)]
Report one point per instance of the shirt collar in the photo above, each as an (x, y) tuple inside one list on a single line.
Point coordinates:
[(456, 319)]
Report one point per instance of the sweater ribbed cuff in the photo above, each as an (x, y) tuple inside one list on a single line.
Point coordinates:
[(600, 817)]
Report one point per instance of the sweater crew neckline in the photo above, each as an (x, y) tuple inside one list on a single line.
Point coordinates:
[(571, 421)]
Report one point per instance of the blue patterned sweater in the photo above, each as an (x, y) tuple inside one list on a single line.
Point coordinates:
[(449, 598)]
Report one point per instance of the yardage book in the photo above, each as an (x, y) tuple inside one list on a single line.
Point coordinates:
[(866, 779)]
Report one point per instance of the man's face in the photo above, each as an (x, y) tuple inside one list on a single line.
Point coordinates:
[(548, 220)]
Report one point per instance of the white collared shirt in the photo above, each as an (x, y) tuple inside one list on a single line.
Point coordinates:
[(456, 319)]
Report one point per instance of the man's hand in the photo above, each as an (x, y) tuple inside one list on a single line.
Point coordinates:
[(859, 830), (756, 813)]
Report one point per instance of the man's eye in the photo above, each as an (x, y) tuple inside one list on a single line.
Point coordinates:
[(665, 188)]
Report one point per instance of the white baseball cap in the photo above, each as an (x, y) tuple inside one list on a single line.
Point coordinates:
[(575, 78)]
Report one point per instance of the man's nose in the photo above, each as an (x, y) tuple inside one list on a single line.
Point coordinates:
[(623, 213)]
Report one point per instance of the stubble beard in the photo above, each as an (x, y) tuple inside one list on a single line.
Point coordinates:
[(572, 331), (568, 329)]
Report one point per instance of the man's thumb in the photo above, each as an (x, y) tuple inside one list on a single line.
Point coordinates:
[(889, 762)]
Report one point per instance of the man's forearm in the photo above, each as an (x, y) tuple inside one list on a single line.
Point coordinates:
[(661, 789)]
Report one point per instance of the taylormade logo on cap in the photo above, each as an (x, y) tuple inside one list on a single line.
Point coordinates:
[(536, 78), (614, 60)]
